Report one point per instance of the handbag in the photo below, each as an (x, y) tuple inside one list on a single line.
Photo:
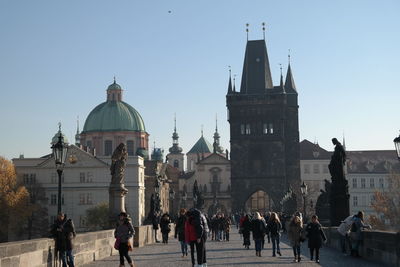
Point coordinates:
[(117, 242), (129, 246)]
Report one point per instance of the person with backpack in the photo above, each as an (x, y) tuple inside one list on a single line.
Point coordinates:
[(315, 236), (274, 228), (165, 227), (196, 230), (259, 228)]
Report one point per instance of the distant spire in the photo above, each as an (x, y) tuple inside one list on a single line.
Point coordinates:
[(230, 82), (115, 80), (247, 30), (77, 124), (216, 123), (77, 135), (174, 122), (202, 130), (216, 147), (175, 149), (344, 142), (281, 81), (234, 83)]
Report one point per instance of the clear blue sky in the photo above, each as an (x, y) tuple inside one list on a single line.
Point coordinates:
[(58, 57)]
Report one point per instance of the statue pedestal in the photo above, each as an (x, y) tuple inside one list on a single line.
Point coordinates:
[(117, 194)]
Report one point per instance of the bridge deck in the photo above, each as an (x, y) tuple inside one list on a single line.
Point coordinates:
[(231, 254)]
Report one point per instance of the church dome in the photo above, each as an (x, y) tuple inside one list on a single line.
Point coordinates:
[(114, 115)]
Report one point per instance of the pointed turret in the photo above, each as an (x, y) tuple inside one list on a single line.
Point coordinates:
[(230, 84), (234, 84), (281, 84), (216, 147), (290, 86), (256, 76)]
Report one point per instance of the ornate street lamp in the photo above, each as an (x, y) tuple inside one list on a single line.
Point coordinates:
[(184, 198), (60, 149), (397, 146), (303, 189)]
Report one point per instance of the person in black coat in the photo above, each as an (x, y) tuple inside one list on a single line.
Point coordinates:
[(180, 231), (63, 231), (259, 228), (315, 236), (165, 227), (246, 228)]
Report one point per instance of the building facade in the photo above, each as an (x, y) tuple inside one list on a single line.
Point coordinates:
[(264, 131)]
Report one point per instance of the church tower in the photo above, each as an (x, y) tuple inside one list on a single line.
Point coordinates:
[(264, 131), (175, 156)]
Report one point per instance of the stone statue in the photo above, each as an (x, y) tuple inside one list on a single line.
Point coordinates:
[(322, 207), (198, 200), (118, 163), (339, 193)]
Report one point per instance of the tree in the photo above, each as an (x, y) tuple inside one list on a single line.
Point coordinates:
[(14, 201), (387, 205), (97, 217)]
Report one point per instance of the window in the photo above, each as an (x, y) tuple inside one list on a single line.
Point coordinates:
[(176, 163), (355, 201), (248, 129), (107, 148), (242, 129), (316, 168), (53, 178), (372, 182), (265, 128), (362, 182), (363, 200), (325, 168), (26, 178), (381, 183), (82, 177), (81, 199), (32, 178), (271, 128), (53, 199), (306, 168), (130, 149), (89, 143), (89, 198), (89, 177), (354, 182)]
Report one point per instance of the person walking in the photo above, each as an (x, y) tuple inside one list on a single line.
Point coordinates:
[(274, 228), (259, 229), (245, 229), (180, 231), (165, 227), (227, 227), (295, 235), (63, 231), (196, 230), (155, 220), (315, 236), (123, 232), (356, 234)]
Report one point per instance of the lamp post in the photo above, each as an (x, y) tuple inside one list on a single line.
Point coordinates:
[(303, 189), (184, 198), (60, 149), (397, 146)]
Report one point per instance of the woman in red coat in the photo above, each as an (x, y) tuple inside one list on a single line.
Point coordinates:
[(190, 234)]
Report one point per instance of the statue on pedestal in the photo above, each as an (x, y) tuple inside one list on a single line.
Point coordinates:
[(198, 199), (339, 193), (117, 190)]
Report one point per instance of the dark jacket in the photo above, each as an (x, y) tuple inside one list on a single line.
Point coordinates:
[(200, 223), (180, 228), (274, 228), (259, 228), (164, 225), (315, 235), (63, 232), (246, 226), (124, 231)]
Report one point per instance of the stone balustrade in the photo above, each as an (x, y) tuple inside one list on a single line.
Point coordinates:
[(378, 246), (89, 247)]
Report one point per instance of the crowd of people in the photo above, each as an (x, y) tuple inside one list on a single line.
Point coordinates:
[(193, 228)]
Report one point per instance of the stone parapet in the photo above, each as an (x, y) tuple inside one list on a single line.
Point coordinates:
[(378, 246), (88, 247)]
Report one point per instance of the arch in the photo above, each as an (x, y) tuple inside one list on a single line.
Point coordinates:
[(259, 201)]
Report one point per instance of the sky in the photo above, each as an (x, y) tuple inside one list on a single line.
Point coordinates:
[(57, 58)]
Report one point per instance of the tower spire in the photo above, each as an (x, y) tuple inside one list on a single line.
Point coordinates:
[(175, 149), (234, 83), (290, 86), (281, 80), (263, 28), (77, 135), (216, 147), (247, 31), (230, 81)]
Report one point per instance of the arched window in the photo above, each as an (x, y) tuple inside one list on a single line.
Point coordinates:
[(107, 148), (130, 147)]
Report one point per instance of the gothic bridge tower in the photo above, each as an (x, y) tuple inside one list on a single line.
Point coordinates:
[(264, 131)]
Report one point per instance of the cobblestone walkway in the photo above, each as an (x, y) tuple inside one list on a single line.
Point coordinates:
[(230, 254)]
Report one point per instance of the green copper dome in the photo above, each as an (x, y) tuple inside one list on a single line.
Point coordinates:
[(114, 114)]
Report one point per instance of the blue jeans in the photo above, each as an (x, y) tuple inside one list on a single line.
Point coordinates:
[(219, 234), (275, 244), (258, 244), (183, 247), (67, 256)]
